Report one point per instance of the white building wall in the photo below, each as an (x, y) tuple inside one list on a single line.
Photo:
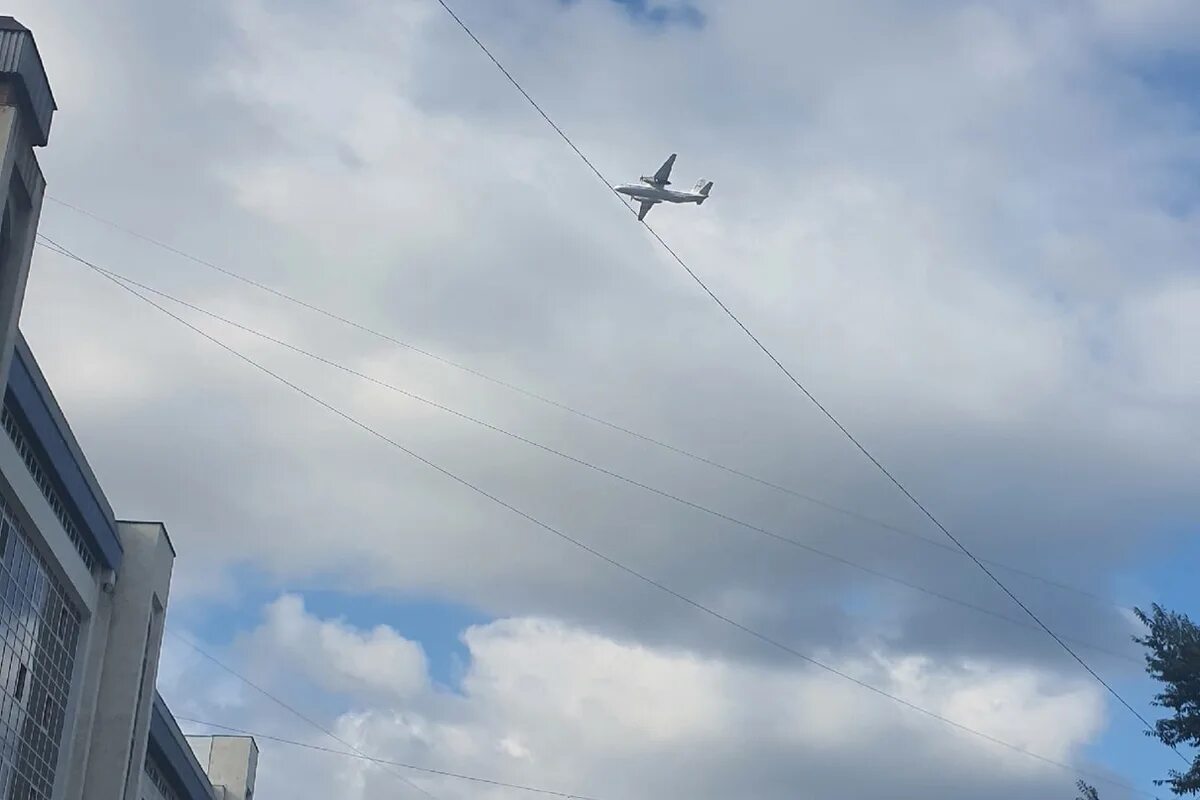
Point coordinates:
[(23, 186), (231, 763), (78, 740), (121, 720)]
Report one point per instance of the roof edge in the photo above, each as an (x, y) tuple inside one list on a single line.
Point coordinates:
[(29, 389), (172, 745)]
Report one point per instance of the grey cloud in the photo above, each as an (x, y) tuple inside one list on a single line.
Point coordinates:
[(943, 258)]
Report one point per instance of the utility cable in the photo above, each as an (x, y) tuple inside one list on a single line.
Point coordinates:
[(576, 460), (612, 562), (533, 395), (812, 398)]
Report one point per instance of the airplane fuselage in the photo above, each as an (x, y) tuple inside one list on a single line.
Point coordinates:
[(653, 190), (645, 191)]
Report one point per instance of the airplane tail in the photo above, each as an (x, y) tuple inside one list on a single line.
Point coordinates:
[(702, 189)]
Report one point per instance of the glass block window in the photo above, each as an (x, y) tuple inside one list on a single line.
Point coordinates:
[(39, 629), (42, 479)]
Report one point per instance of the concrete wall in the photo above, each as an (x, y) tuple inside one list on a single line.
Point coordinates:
[(23, 188), (231, 763), (77, 747), (121, 719)]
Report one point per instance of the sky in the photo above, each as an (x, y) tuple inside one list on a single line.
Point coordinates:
[(969, 228)]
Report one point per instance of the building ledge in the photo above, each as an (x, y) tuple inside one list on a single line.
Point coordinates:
[(59, 455), (169, 747)]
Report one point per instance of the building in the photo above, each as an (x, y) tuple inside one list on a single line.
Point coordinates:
[(231, 763), (83, 595), (217, 767)]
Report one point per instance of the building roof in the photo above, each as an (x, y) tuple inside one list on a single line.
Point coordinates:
[(10, 24), (241, 737), (162, 526)]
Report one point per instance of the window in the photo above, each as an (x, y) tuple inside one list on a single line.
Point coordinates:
[(42, 479), (158, 781), (39, 629)]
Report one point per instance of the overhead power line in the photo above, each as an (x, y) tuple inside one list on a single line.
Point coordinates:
[(599, 555), (427, 770), (289, 708), (765, 532), (533, 395), (808, 394)]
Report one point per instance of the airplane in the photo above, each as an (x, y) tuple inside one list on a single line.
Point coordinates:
[(653, 190)]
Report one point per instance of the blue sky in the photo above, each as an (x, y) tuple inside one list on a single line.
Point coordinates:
[(436, 625), (661, 14)]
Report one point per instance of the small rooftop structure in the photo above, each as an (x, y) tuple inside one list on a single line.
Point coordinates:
[(231, 763), (23, 80)]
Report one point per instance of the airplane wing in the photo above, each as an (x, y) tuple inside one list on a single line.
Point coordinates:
[(645, 209), (661, 178)]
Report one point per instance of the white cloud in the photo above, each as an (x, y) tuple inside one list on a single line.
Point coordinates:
[(548, 704), (604, 689), (338, 657)]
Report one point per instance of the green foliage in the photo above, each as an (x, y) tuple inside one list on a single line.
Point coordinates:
[(1087, 792), (1173, 659)]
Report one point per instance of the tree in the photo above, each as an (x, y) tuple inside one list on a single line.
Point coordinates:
[(1173, 660), (1087, 792)]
